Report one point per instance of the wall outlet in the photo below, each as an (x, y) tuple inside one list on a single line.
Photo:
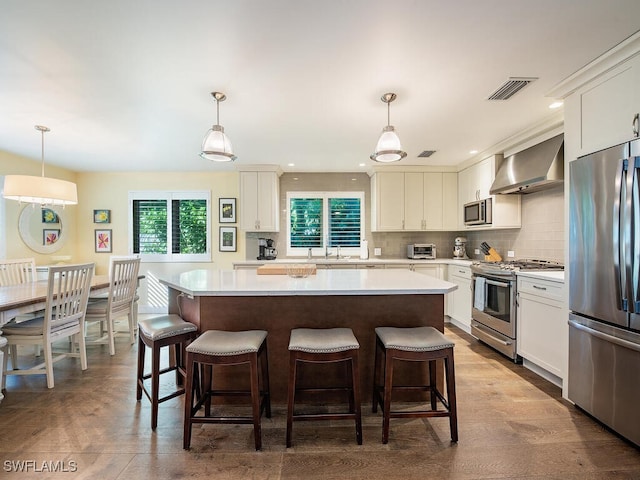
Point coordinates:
[(511, 253), (377, 252), (476, 251)]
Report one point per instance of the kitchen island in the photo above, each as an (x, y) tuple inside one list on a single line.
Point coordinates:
[(358, 299)]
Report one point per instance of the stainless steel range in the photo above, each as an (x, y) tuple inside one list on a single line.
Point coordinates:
[(494, 295)]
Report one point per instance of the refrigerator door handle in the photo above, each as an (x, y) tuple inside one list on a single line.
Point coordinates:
[(608, 338), (634, 229), (629, 246), (617, 241)]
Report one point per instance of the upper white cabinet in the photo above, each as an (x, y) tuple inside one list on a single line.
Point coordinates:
[(259, 201), (387, 201), (474, 183), (413, 201), (609, 108)]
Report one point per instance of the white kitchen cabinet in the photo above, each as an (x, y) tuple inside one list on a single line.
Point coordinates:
[(414, 201), (433, 270), (387, 201), (541, 326), (608, 107), (474, 183), (259, 201), (450, 201), (459, 301)]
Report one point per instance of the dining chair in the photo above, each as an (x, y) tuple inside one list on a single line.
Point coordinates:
[(18, 271), (67, 295), (120, 301)]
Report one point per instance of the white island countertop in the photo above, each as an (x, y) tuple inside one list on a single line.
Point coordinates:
[(324, 282)]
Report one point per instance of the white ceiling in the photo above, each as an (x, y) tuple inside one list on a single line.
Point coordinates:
[(125, 85)]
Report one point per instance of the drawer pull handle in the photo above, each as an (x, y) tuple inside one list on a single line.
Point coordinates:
[(461, 271), (539, 288)]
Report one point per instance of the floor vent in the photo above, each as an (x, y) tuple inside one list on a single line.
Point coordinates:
[(509, 88), (427, 153)]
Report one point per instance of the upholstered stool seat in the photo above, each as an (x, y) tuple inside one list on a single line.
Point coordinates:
[(155, 333), (417, 344), (327, 345), (216, 347)]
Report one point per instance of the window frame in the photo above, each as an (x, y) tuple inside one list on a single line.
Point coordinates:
[(325, 196), (169, 196)]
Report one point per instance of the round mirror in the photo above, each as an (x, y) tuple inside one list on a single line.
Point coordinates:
[(41, 228)]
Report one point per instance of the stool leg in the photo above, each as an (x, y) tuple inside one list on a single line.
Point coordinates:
[(388, 384), (207, 380), (291, 394), (433, 385), (451, 396), (355, 379), (264, 362), (141, 353), (188, 402), (376, 378), (255, 401), (155, 384)]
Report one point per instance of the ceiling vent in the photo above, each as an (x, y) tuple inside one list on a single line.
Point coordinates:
[(509, 88), (427, 153)]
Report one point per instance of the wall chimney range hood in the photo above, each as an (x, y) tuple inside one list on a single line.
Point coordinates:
[(532, 169)]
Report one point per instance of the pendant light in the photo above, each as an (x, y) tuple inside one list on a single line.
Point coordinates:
[(388, 148), (216, 145), (40, 190)]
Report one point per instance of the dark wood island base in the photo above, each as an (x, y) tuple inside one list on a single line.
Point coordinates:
[(279, 314)]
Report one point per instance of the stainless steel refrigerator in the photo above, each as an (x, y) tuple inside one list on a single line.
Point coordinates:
[(604, 322)]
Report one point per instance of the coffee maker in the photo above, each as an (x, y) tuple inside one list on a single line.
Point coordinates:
[(266, 250), (460, 248)]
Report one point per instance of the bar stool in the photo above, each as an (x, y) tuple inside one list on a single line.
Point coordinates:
[(216, 347), (155, 333), (418, 344), (324, 345)]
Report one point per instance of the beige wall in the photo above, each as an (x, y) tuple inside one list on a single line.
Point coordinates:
[(110, 191)]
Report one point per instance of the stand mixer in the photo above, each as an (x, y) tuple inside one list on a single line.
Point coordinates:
[(460, 248)]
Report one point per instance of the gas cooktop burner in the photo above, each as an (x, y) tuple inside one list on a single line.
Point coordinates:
[(506, 268)]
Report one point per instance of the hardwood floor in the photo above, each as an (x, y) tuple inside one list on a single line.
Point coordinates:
[(512, 425)]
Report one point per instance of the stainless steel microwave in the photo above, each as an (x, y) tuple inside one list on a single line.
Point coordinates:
[(422, 251), (478, 212)]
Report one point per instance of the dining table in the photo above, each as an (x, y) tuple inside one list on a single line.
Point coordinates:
[(32, 297)]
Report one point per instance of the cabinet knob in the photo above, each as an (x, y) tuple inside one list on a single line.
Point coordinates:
[(634, 124)]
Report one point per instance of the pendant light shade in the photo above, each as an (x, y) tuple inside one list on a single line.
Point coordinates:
[(41, 190), (388, 148), (216, 146)]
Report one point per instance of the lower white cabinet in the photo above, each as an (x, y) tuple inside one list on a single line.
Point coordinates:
[(459, 301), (431, 270), (541, 325)]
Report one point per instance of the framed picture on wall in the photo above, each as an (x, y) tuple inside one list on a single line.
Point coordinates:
[(228, 239), (50, 236), (227, 210), (49, 216), (102, 216), (103, 241)]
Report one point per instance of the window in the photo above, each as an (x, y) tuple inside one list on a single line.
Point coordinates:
[(170, 226), (325, 219)]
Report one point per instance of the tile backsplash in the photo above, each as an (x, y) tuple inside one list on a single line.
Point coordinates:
[(541, 235)]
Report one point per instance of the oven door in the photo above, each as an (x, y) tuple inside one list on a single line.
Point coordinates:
[(499, 308)]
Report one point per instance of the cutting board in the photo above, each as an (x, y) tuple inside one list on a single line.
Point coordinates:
[(281, 269)]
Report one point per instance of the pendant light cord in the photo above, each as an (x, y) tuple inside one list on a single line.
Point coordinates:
[(42, 154)]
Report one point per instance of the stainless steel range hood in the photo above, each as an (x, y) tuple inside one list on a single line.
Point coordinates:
[(533, 169)]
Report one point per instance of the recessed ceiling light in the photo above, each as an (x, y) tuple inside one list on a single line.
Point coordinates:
[(363, 165), (291, 164), (295, 178), (473, 152), (557, 104), (354, 179)]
